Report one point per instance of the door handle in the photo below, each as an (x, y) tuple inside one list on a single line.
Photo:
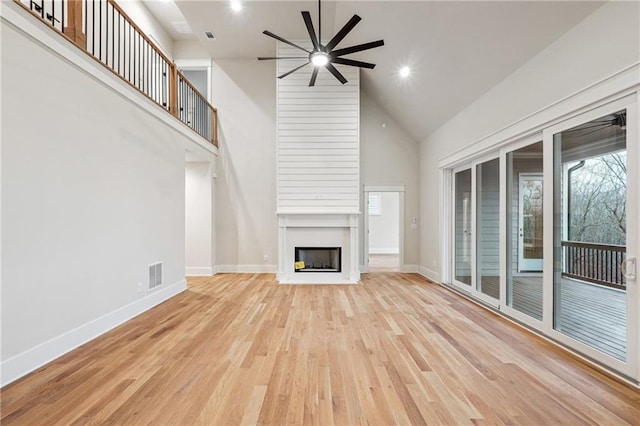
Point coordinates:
[(628, 267)]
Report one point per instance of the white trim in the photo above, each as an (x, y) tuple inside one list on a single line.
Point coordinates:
[(400, 189), (31, 359), (410, 269), (601, 92), (194, 271), (246, 269), (429, 274), (384, 188), (23, 22), (385, 250)]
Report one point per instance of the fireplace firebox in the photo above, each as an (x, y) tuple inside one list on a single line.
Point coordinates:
[(318, 259)]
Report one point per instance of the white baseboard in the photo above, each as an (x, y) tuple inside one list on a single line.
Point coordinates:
[(31, 359), (247, 269), (382, 250), (405, 268), (429, 274), (194, 271), (410, 269)]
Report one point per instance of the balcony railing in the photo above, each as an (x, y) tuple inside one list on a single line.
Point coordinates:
[(104, 31), (596, 263)]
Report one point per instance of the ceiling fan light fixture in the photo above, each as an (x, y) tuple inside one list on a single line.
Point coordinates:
[(319, 59), (325, 55), (236, 6)]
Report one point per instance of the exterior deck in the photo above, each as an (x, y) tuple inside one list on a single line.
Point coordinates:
[(590, 313)]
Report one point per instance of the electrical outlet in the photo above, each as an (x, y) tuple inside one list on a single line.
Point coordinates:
[(265, 258)]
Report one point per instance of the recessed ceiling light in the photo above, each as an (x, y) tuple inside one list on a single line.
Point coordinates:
[(404, 72), (236, 6)]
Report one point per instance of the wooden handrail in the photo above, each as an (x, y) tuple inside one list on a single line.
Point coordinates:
[(139, 30), (611, 247), (214, 117)]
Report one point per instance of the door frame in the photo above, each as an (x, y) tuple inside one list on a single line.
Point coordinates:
[(521, 178), (452, 235), (631, 367), (400, 189)]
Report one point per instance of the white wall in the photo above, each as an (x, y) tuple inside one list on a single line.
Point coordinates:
[(605, 42), (244, 91), (389, 156), (199, 218), (318, 139), (384, 229), (92, 193)]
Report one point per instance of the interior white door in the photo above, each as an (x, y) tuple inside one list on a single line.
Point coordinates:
[(530, 235)]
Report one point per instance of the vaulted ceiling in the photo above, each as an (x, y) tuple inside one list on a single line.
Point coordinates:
[(457, 50)]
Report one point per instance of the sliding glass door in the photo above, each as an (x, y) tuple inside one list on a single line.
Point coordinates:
[(476, 235), (488, 229), (594, 241), (462, 228), (524, 232), (548, 231)]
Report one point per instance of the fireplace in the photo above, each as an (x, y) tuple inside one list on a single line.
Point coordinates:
[(327, 243), (318, 259)]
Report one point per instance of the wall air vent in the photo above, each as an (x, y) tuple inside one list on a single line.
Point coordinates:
[(155, 275), (210, 35)]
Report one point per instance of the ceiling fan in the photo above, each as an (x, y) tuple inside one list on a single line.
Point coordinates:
[(326, 55)]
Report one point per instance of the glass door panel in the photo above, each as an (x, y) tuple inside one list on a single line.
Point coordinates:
[(530, 227), (488, 227), (524, 230), (590, 233), (462, 211)]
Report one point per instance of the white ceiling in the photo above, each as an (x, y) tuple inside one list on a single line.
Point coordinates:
[(457, 50)]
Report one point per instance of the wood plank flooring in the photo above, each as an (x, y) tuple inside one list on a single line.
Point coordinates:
[(394, 349)]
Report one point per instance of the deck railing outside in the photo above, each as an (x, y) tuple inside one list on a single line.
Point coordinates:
[(103, 30), (596, 263)]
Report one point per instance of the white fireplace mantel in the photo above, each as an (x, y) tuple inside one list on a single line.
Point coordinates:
[(318, 230)]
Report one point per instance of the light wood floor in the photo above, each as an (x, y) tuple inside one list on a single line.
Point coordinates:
[(395, 349)]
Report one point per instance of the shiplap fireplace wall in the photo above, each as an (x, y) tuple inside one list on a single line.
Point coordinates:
[(318, 167)]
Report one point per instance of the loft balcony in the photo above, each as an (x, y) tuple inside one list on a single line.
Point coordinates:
[(105, 32)]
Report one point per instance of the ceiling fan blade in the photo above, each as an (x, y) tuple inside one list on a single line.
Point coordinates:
[(268, 58), (270, 34), (314, 75), (293, 70), (336, 73), (345, 61), (358, 48), (312, 33), (343, 32)]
